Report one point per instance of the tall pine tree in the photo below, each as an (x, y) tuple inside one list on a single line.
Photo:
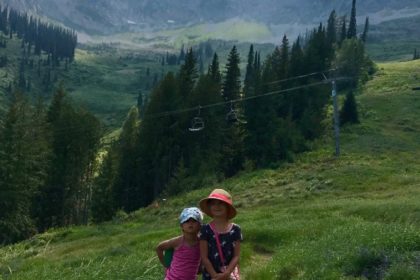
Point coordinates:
[(249, 74), (352, 31), (160, 147), (65, 198), (24, 156), (332, 28), (365, 30), (232, 82), (343, 32), (214, 70), (232, 145), (126, 191), (104, 204), (348, 113), (188, 75)]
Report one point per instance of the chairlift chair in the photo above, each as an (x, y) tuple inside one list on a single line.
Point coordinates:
[(197, 122), (233, 116)]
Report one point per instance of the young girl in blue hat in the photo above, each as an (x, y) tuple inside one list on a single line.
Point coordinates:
[(185, 263), (220, 240)]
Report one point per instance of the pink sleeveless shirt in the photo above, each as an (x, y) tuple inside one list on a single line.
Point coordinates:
[(185, 263)]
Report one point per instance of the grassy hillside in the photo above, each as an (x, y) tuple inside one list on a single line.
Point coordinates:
[(108, 81), (356, 217), (394, 39), (105, 80)]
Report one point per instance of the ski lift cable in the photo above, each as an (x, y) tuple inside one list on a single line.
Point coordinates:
[(175, 112), (223, 103), (200, 107), (168, 113), (292, 88), (301, 76)]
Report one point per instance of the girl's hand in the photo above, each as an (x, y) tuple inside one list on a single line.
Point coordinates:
[(225, 276), (221, 276)]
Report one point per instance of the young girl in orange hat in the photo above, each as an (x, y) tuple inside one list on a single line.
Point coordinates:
[(220, 239)]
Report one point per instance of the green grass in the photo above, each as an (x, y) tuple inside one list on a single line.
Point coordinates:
[(235, 29), (102, 78), (107, 82), (238, 30), (356, 217), (402, 50)]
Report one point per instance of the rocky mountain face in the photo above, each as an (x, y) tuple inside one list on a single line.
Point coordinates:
[(113, 16)]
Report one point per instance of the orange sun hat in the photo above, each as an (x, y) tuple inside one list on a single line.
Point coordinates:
[(222, 195)]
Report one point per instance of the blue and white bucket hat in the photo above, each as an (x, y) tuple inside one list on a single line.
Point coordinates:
[(191, 213)]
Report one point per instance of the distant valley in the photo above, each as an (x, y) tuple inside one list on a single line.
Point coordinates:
[(108, 17)]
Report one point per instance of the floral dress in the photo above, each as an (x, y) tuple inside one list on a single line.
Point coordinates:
[(227, 242)]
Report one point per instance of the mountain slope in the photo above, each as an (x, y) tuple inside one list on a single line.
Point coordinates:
[(395, 39), (109, 16), (355, 217)]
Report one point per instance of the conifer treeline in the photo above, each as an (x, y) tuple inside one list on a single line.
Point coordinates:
[(47, 163), (59, 42), (160, 155)]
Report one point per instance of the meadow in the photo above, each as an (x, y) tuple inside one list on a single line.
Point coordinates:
[(103, 79), (318, 217), (108, 81), (394, 40)]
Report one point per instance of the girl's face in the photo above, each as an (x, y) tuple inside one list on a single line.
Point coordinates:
[(218, 208), (191, 226)]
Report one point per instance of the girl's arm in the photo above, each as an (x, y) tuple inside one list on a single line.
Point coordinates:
[(235, 259), (205, 260), (165, 245)]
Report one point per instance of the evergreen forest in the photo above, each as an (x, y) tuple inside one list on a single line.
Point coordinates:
[(196, 127)]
